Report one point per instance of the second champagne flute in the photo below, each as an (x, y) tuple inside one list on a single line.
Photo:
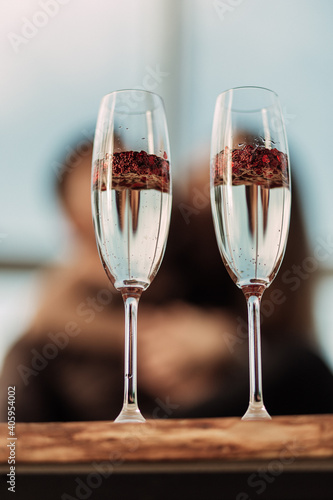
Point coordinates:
[(131, 204), (251, 198)]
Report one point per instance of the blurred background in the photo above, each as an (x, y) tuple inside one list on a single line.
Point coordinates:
[(59, 57)]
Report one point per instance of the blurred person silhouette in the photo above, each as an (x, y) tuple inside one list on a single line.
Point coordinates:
[(192, 332)]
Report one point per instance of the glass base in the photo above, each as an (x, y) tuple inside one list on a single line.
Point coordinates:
[(256, 412), (130, 416)]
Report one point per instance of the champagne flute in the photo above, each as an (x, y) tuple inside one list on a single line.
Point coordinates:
[(131, 205), (251, 199)]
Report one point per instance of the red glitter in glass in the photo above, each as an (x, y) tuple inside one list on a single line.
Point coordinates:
[(252, 165), (132, 170)]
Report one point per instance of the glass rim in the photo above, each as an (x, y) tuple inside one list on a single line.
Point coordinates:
[(223, 96), (248, 87), (142, 91)]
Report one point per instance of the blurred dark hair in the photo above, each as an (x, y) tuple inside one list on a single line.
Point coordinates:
[(80, 149)]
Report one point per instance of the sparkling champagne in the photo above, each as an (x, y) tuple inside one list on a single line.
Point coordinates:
[(251, 212), (132, 211)]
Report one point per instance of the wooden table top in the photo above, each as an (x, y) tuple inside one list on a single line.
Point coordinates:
[(218, 444)]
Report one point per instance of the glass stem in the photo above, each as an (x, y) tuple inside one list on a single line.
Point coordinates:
[(256, 408), (253, 307), (130, 411), (131, 301)]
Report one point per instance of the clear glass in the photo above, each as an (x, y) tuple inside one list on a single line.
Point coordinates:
[(251, 199), (131, 205)]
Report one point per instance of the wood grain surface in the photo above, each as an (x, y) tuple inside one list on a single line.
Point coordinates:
[(291, 441)]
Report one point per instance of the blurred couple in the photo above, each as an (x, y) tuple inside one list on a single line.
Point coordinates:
[(192, 340)]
